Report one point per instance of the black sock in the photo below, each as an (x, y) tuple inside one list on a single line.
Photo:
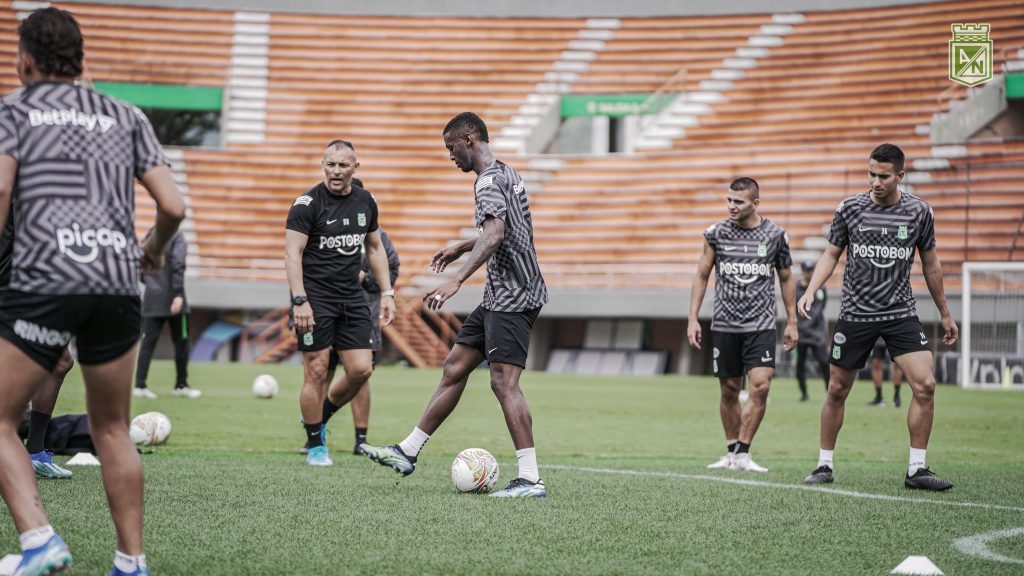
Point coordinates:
[(37, 431), (313, 437), (731, 447), (741, 448), (329, 410), (360, 436), (878, 395)]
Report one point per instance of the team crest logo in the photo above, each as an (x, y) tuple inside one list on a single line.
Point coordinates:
[(840, 338), (762, 250), (307, 339), (970, 54), (361, 218), (902, 232), (837, 352)]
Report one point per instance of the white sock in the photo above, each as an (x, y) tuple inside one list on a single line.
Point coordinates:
[(916, 460), (825, 458), (36, 537), (127, 563), (412, 445), (527, 458)]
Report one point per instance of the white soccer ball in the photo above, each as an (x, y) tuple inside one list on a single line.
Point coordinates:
[(474, 470), (150, 429), (265, 386)]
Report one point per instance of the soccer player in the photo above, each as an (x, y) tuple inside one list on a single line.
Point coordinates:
[(878, 356), (499, 329), (880, 230), (360, 404), (69, 156), (813, 333), (164, 302), (747, 250), (45, 399), (326, 230)]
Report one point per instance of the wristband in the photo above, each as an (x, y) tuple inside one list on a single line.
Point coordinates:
[(390, 292)]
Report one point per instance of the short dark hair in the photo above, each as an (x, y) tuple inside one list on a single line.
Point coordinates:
[(889, 154), (467, 122), (344, 143), (749, 184), (54, 40)]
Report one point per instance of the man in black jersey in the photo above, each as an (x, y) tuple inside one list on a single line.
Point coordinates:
[(326, 230), (813, 333), (499, 329), (880, 230), (70, 157), (746, 251)]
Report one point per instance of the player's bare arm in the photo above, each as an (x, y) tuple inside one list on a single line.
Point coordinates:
[(170, 211), (377, 257), (8, 169), (700, 285), (294, 244), (484, 246), (933, 278), (445, 256), (822, 272), (788, 285)]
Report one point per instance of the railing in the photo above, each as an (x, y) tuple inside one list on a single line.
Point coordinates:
[(652, 107)]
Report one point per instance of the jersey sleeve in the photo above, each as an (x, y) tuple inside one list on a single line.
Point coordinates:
[(837, 233), (8, 133), (302, 215), (372, 222), (926, 239), (490, 198), (148, 152), (711, 236), (783, 259)]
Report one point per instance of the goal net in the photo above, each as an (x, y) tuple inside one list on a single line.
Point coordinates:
[(992, 330)]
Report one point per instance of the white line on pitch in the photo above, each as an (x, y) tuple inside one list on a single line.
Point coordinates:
[(977, 545), (805, 487)]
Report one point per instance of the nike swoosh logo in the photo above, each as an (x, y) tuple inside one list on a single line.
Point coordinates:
[(730, 248), (923, 342), (491, 351), (863, 229), (329, 222)]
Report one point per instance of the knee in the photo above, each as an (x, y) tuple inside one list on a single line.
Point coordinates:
[(730, 391), (316, 372), (837, 391), (501, 383), (360, 373), (925, 390), (759, 389)]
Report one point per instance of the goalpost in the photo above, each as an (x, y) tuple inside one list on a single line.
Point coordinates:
[(992, 325)]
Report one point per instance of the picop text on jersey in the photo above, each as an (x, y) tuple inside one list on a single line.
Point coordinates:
[(880, 242), (746, 260), (78, 153), (336, 227)]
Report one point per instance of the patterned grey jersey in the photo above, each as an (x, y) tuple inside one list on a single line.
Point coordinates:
[(880, 243), (78, 154), (745, 263), (514, 282)]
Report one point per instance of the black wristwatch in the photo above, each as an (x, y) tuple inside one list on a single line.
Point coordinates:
[(299, 300)]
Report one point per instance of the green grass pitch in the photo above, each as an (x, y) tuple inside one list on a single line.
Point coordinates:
[(624, 460)]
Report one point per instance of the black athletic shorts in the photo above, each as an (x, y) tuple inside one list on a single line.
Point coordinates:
[(853, 342), (735, 353), (41, 325), (500, 336), (338, 325)]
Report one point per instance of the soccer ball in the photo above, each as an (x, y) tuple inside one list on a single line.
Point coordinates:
[(150, 429), (474, 470), (265, 386)]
